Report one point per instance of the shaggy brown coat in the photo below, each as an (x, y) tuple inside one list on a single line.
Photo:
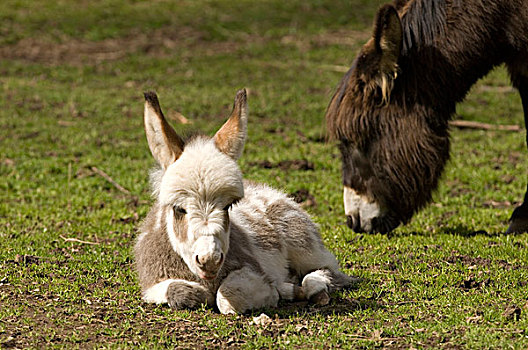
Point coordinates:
[(391, 110)]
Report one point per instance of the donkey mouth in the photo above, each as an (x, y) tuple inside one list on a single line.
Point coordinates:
[(383, 225)]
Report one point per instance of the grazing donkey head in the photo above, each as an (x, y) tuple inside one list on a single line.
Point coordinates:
[(200, 180), (392, 132), (391, 110)]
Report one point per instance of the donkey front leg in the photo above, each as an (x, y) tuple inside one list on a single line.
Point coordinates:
[(519, 218), (179, 294), (243, 290)]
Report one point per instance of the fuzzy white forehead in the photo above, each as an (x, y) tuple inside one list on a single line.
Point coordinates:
[(202, 171)]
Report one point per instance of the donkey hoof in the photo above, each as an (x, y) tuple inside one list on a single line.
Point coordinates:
[(298, 293), (518, 225), (322, 298), (182, 296), (519, 220), (225, 307)]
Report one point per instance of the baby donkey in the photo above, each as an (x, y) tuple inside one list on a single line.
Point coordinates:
[(212, 238)]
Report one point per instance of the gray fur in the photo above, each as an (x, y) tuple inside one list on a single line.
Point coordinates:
[(155, 259), (182, 296)]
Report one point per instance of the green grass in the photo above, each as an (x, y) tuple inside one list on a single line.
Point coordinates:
[(449, 278)]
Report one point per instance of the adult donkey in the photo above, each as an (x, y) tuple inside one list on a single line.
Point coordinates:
[(391, 110)]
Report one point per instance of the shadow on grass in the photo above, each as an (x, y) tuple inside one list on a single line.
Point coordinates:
[(464, 231), (456, 230), (338, 305)]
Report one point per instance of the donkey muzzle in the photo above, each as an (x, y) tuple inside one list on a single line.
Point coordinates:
[(209, 265), (208, 257), (382, 224), (366, 215)]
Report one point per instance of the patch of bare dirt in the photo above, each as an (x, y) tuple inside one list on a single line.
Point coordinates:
[(337, 37), (161, 42), (477, 261), (497, 205), (512, 313), (304, 197), (95, 324), (77, 52), (295, 164), (473, 283)]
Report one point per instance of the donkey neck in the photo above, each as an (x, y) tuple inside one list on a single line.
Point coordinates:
[(447, 47)]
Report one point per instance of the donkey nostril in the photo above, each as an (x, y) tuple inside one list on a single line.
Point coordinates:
[(350, 222), (221, 258), (198, 262), (354, 223)]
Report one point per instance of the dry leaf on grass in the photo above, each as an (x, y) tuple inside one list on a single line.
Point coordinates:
[(262, 320)]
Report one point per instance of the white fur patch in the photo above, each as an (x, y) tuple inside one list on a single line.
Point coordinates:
[(357, 205), (202, 171), (287, 291), (158, 292), (158, 219), (183, 250)]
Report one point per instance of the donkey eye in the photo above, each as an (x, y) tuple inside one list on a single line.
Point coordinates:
[(179, 210)]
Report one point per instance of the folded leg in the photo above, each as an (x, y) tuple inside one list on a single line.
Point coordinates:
[(179, 294), (244, 290), (318, 285)]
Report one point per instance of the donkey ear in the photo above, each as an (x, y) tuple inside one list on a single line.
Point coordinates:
[(378, 64), (388, 37), (165, 145), (232, 135)]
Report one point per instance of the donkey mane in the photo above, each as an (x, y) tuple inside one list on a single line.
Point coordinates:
[(422, 22)]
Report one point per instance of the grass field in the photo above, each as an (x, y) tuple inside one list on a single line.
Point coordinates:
[(71, 79)]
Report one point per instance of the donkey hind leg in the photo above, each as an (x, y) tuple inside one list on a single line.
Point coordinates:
[(245, 289), (519, 218), (318, 265), (291, 291), (318, 284), (179, 294), (319, 268)]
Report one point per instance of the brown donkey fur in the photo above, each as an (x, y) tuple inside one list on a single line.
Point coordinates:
[(391, 110)]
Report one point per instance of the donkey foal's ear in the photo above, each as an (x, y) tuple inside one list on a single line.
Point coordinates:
[(231, 137), (165, 145)]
